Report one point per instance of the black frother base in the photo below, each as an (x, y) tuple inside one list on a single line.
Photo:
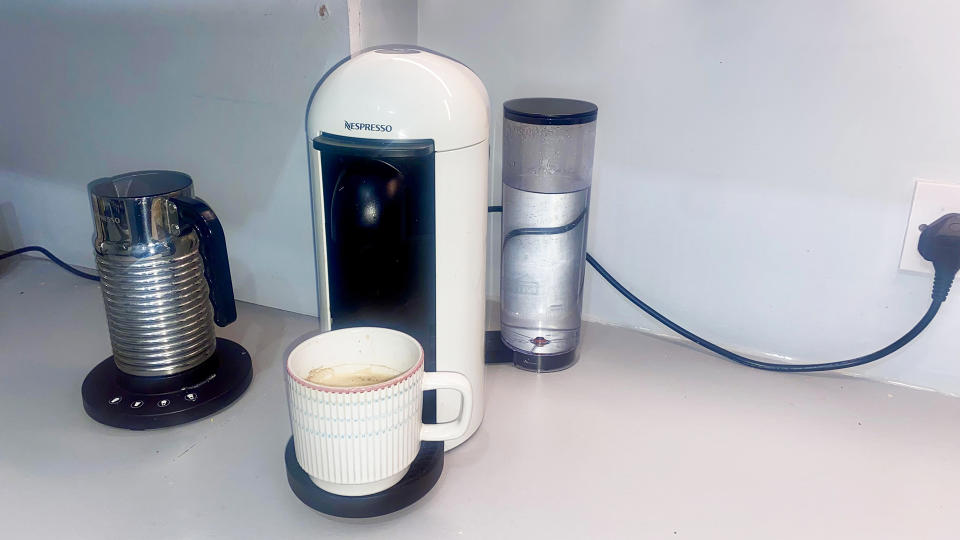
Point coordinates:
[(422, 476), (117, 399)]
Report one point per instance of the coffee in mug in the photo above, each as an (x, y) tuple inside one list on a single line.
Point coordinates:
[(345, 375)]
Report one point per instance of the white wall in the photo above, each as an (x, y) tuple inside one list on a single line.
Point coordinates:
[(754, 160), (215, 88), (382, 22)]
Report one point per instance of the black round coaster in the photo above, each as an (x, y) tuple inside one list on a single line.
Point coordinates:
[(422, 476), (120, 400)]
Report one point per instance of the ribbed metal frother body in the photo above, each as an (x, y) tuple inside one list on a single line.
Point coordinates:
[(152, 278), (158, 311)]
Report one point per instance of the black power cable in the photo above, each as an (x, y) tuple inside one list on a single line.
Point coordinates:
[(769, 366), (52, 257), (939, 243)]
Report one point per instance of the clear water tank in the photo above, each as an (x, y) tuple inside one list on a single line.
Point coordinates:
[(547, 171)]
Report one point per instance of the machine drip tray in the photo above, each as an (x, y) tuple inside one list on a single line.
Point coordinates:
[(120, 400), (422, 476)]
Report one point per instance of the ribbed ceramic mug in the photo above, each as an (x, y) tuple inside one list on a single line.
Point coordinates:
[(362, 439)]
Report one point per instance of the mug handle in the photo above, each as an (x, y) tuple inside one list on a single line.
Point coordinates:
[(435, 380)]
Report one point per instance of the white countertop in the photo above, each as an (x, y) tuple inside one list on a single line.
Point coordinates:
[(642, 438)]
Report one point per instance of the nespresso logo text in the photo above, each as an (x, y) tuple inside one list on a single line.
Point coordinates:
[(386, 128)]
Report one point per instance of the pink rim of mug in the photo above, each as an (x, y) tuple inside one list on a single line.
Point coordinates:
[(356, 389)]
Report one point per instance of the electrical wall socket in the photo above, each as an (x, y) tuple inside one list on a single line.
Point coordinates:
[(930, 201)]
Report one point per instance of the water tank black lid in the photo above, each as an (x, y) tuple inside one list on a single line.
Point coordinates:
[(550, 111)]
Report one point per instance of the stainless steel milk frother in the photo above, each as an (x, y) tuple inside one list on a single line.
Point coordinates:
[(165, 279)]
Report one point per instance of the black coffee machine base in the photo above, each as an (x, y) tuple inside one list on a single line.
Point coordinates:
[(422, 476), (117, 399)]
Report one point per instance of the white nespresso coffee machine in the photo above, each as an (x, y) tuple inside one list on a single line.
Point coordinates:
[(398, 146)]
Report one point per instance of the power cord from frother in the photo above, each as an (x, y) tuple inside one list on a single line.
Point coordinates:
[(939, 244), (52, 257)]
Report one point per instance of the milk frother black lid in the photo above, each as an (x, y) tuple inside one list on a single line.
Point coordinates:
[(550, 111)]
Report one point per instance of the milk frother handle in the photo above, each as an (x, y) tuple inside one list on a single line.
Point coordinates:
[(435, 380), (213, 251)]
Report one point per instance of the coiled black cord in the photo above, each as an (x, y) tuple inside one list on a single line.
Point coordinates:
[(757, 364)]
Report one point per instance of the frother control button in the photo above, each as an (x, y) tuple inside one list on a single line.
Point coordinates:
[(191, 397), (163, 403), (114, 400), (136, 404)]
